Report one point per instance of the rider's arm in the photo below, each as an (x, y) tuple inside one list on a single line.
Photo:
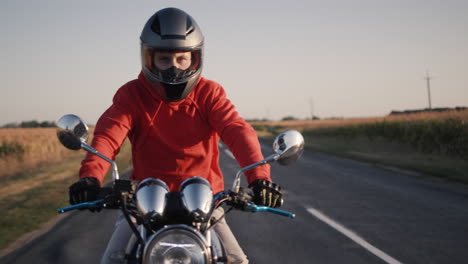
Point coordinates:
[(236, 133), (109, 134)]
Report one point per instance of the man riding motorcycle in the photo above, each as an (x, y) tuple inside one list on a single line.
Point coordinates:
[(174, 119)]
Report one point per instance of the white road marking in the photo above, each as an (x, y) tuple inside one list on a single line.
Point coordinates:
[(229, 153), (340, 228), (226, 150), (353, 236)]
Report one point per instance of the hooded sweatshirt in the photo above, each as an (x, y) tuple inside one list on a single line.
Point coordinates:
[(173, 141)]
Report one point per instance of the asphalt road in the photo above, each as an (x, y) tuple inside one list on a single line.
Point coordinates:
[(347, 212)]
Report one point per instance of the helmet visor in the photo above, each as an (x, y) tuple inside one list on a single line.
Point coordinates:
[(171, 66)]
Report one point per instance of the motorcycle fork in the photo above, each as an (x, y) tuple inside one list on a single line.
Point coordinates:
[(134, 250)]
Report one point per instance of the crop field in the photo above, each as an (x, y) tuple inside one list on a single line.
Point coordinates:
[(303, 125), (434, 143)]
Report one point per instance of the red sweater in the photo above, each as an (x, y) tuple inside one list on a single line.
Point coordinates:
[(173, 141)]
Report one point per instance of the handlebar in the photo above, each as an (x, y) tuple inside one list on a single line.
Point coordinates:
[(238, 200), (243, 201), (258, 208), (86, 205)]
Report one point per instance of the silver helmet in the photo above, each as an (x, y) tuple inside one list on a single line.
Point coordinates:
[(172, 31)]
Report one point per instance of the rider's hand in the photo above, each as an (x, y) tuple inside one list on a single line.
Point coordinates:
[(266, 193), (84, 190)]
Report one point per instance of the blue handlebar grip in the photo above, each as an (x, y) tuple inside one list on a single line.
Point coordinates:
[(80, 206), (256, 208)]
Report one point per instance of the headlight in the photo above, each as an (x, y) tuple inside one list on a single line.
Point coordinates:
[(151, 196), (177, 244), (197, 197)]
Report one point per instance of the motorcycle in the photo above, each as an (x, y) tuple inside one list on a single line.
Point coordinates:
[(174, 227)]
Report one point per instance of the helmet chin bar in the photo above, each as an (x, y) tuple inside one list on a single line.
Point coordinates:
[(171, 92), (174, 92)]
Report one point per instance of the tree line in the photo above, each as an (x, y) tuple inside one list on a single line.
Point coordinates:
[(30, 124)]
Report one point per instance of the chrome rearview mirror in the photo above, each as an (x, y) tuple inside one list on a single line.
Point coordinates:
[(288, 147), (72, 131), (73, 134)]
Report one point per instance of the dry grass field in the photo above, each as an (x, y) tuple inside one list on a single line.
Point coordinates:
[(30, 148), (35, 173)]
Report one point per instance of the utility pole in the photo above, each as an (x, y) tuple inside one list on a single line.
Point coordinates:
[(311, 108), (428, 82), (267, 115)]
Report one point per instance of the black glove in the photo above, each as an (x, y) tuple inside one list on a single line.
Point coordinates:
[(266, 193), (84, 190)]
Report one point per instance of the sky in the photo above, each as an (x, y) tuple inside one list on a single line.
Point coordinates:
[(359, 58)]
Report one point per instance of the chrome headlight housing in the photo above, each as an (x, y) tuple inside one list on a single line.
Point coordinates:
[(151, 197), (177, 244), (197, 197)]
